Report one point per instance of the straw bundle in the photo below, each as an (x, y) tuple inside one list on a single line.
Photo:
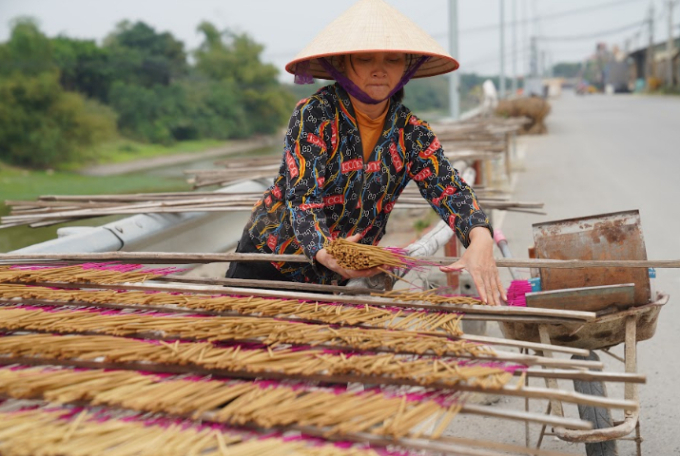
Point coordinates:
[(78, 432), (534, 108)]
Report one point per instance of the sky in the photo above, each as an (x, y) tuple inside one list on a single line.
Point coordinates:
[(285, 27)]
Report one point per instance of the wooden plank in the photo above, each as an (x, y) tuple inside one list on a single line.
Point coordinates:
[(591, 299)]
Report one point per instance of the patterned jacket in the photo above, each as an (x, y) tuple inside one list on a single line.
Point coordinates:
[(326, 190)]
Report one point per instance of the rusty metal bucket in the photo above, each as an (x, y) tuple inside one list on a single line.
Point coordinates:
[(615, 236)]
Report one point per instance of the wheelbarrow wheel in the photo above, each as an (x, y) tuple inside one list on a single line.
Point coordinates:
[(600, 417)]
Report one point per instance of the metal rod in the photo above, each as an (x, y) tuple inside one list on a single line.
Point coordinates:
[(454, 78)]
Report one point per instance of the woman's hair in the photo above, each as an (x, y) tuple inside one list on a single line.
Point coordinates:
[(399, 95)]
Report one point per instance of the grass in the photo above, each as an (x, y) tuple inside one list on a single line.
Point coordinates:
[(123, 150), (20, 184)]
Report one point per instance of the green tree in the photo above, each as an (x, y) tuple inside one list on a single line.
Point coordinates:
[(84, 66), (235, 59), (28, 51), (43, 126), (567, 69), (139, 55), (428, 94)]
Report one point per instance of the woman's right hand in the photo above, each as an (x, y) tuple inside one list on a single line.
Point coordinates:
[(326, 259)]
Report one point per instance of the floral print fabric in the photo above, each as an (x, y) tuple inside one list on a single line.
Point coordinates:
[(326, 189)]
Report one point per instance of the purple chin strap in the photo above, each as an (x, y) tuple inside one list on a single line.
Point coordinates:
[(304, 77)]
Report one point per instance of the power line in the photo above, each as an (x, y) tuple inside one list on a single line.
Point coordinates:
[(558, 15), (593, 35), (495, 27)]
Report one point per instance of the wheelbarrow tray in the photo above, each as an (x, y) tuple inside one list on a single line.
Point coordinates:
[(605, 331)]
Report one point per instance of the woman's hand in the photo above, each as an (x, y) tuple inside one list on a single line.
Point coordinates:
[(478, 260), (325, 258)]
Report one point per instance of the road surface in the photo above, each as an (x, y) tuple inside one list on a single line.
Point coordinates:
[(606, 154)]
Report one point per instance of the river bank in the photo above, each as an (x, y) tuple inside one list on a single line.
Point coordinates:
[(134, 166)]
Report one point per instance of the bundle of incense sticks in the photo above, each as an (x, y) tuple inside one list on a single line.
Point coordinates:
[(432, 296), (226, 329), (352, 255), (81, 432), (281, 365), (265, 404), (266, 362), (100, 273), (294, 309)]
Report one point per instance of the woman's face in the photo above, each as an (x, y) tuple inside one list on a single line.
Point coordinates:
[(376, 73)]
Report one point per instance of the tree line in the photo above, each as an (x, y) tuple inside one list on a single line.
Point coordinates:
[(60, 96)]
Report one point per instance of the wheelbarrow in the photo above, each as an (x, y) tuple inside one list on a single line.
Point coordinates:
[(622, 300), (628, 326)]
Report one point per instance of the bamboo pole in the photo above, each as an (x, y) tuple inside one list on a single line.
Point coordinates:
[(184, 258), (498, 313)]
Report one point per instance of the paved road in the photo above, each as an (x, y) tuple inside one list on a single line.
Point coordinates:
[(606, 154)]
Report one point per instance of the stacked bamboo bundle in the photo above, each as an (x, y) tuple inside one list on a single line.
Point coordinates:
[(50, 210), (113, 354), (534, 108)]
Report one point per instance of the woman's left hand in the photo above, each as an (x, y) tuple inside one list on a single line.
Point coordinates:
[(478, 260)]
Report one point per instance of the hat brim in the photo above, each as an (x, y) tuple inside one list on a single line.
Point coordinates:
[(436, 64), (372, 26)]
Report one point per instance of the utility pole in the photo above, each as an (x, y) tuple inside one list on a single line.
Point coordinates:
[(650, 47), (454, 78), (544, 64), (514, 48), (525, 42), (669, 46), (533, 67), (502, 80)]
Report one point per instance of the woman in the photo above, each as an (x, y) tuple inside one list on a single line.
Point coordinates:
[(351, 148)]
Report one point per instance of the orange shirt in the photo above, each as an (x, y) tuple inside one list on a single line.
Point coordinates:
[(370, 130)]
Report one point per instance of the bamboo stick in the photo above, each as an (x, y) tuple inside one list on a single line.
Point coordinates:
[(154, 257), (166, 258), (497, 313), (271, 284)]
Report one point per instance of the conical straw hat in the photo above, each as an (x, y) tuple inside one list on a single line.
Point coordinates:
[(373, 26)]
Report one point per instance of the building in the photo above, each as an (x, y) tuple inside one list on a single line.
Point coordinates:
[(643, 68)]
